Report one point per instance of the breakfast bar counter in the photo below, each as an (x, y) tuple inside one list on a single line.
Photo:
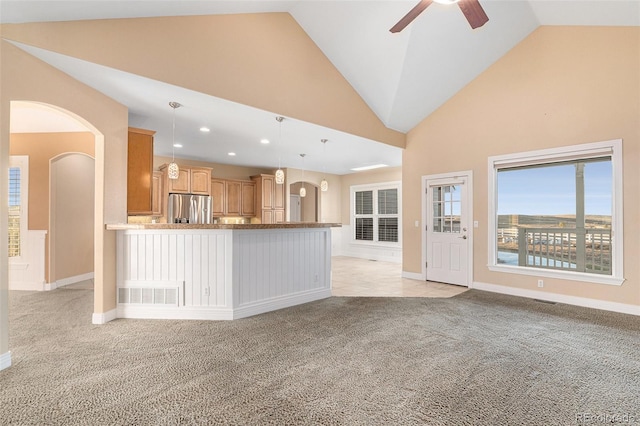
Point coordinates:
[(220, 271)]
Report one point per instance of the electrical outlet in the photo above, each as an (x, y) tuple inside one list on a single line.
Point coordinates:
[(540, 283), (206, 291), (315, 279)]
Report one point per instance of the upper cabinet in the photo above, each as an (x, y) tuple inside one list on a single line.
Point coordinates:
[(200, 181), (233, 197), (191, 180), (218, 197), (139, 172)]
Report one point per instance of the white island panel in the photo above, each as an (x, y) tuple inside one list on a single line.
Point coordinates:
[(220, 273)]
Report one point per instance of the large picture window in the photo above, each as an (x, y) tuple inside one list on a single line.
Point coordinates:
[(376, 213), (553, 213)]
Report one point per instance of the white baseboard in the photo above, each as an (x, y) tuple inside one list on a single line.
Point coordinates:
[(177, 313), (274, 304), (413, 275), (103, 318), (27, 285), (215, 313), (559, 298), (5, 360), (71, 280)]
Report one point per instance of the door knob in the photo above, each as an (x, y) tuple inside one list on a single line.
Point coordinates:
[(464, 237)]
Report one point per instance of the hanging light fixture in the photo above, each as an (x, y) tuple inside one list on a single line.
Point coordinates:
[(303, 192), (279, 172), (324, 185), (173, 171)]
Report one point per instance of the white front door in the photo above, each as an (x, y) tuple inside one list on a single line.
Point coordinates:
[(447, 230)]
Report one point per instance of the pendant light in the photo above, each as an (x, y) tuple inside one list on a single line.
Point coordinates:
[(303, 192), (173, 171), (279, 172), (324, 185)]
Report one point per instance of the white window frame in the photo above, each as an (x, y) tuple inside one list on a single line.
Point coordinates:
[(375, 188), (22, 162), (612, 148)]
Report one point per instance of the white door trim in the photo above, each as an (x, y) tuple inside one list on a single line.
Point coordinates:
[(468, 174)]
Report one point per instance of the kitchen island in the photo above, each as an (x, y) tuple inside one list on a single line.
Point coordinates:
[(221, 271)]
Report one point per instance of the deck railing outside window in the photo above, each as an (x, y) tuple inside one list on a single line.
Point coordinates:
[(579, 250)]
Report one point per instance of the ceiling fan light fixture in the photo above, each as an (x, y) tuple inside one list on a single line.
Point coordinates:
[(446, 1)]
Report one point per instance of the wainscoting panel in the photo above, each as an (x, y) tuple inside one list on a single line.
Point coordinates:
[(196, 258), (27, 272), (291, 262)]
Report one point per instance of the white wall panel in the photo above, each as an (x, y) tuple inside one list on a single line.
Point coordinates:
[(222, 274), (197, 258), (27, 273), (274, 263)]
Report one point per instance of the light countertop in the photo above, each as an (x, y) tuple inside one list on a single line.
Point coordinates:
[(286, 225)]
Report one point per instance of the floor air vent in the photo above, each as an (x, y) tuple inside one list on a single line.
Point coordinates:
[(148, 296)]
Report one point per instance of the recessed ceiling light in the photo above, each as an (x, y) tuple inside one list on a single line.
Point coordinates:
[(177, 145), (205, 129), (264, 141), (232, 154), (375, 166)]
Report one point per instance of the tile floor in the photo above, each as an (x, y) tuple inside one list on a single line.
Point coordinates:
[(362, 277)]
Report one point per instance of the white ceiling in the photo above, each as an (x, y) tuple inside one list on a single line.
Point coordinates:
[(403, 77)]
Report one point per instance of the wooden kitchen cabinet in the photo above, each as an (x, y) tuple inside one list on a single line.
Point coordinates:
[(191, 180), (200, 181), (218, 197), (139, 171), (234, 198), (248, 207), (157, 194), (269, 199)]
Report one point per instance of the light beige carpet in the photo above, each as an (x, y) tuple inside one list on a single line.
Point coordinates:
[(475, 359)]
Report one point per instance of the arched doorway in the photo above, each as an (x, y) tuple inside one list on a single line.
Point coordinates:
[(26, 115), (309, 208)]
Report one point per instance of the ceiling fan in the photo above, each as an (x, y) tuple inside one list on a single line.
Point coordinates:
[(470, 8)]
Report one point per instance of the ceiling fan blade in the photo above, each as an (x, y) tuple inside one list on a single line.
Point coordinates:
[(413, 14), (473, 12)]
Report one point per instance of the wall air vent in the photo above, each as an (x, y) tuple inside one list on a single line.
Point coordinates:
[(148, 296)]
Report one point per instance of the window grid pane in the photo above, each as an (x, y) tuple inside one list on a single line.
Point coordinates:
[(364, 228), (446, 208), (388, 201), (14, 212), (364, 202), (388, 229)]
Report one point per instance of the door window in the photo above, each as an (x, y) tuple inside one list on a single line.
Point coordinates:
[(446, 208)]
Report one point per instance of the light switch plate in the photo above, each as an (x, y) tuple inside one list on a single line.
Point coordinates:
[(417, 224), (475, 223)]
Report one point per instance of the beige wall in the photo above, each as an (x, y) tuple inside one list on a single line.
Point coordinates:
[(25, 78), (561, 86), (309, 203), (72, 216), (263, 60), (41, 148), (329, 210)]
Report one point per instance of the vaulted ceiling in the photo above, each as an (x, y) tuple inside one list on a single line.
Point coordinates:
[(402, 77)]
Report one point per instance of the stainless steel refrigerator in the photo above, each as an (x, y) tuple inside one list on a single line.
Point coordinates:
[(188, 208)]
